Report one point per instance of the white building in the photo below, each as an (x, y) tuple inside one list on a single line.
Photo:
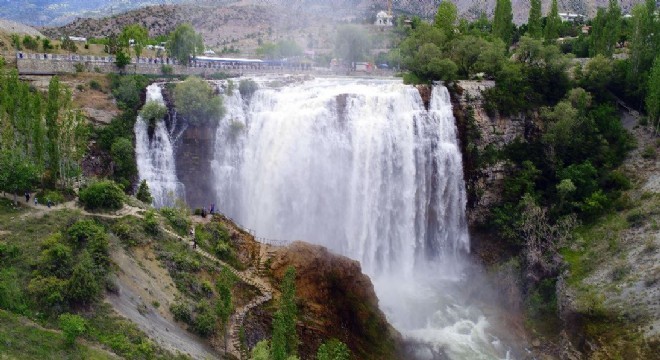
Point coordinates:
[(384, 19), (572, 17)]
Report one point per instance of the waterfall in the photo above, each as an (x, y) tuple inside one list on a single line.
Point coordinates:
[(360, 166), (155, 156)]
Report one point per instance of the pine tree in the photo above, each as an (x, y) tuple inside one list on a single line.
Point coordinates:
[(534, 26), (143, 194), (503, 21), (552, 23)]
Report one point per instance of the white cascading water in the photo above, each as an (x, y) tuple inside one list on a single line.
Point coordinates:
[(360, 166), (155, 156)]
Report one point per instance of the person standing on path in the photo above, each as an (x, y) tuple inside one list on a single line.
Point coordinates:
[(35, 201), (27, 196)]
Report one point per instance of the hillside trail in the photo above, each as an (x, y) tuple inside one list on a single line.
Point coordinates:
[(249, 276)]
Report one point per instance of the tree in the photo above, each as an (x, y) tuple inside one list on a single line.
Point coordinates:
[(195, 100), (83, 286), (261, 351), (653, 97), (606, 29), (17, 174), (352, 44), (52, 126), (552, 23), (333, 350), (503, 21), (102, 195), (644, 44), (121, 59), (136, 36), (445, 18), (72, 326), (143, 194), (285, 337), (224, 307), (185, 43), (534, 24), (123, 158), (153, 111)]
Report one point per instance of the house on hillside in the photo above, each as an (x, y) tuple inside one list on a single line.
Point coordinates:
[(384, 19)]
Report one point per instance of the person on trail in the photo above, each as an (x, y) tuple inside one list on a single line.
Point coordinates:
[(212, 211), (27, 196), (48, 203), (35, 201), (204, 212), (192, 235)]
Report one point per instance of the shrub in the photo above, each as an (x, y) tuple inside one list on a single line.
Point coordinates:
[(11, 294), (143, 194), (181, 312), (153, 111), (52, 195), (150, 222), (84, 286), (102, 195), (649, 152), (80, 67), (247, 88), (94, 85), (72, 326), (122, 60), (205, 319), (195, 100), (123, 157), (167, 69), (178, 218), (333, 350), (129, 230)]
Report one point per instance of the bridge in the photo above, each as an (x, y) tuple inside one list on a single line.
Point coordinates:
[(57, 64)]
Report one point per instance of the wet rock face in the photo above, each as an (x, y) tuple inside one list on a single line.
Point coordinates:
[(336, 300)]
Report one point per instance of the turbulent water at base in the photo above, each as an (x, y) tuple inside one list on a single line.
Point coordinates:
[(155, 156), (360, 166)]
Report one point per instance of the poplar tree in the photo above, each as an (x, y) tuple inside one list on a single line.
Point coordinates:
[(445, 18), (552, 23), (653, 96), (52, 126), (285, 338), (503, 21), (534, 26)]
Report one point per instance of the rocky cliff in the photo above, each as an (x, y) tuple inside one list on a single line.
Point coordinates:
[(336, 300)]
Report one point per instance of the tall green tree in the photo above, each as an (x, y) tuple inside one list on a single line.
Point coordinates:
[(52, 127), (605, 30), (135, 36), (552, 23), (185, 43), (445, 18), (285, 337), (644, 41), (503, 21), (653, 97), (352, 44), (18, 174), (534, 24)]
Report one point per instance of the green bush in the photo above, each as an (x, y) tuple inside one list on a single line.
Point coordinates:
[(177, 218), (11, 293), (247, 88), (167, 69), (106, 195), (129, 230), (205, 319), (72, 326), (151, 223), (84, 286), (181, 312), (333, 350), (52, 195), (80, 67), (94, 85), (196, 101), (153, 111)]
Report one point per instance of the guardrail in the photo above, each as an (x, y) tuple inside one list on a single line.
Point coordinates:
[(261, 239)]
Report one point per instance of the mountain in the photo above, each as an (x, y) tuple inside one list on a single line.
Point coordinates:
[(59, 12)]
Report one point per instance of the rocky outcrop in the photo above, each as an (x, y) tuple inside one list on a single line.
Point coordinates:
[(336, 300), (481, 136)]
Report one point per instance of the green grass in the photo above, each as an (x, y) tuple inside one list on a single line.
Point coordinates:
[(21, 340)]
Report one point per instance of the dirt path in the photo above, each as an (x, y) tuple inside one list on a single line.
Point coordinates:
[(248, 277), (139, 287)]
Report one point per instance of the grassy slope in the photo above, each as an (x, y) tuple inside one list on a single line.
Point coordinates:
[(19, 339)]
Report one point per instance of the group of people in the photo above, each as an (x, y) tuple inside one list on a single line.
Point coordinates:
[(36, 201), (210, 211)]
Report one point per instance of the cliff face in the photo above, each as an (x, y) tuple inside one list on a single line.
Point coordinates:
[(481, 136), (336, 300)]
